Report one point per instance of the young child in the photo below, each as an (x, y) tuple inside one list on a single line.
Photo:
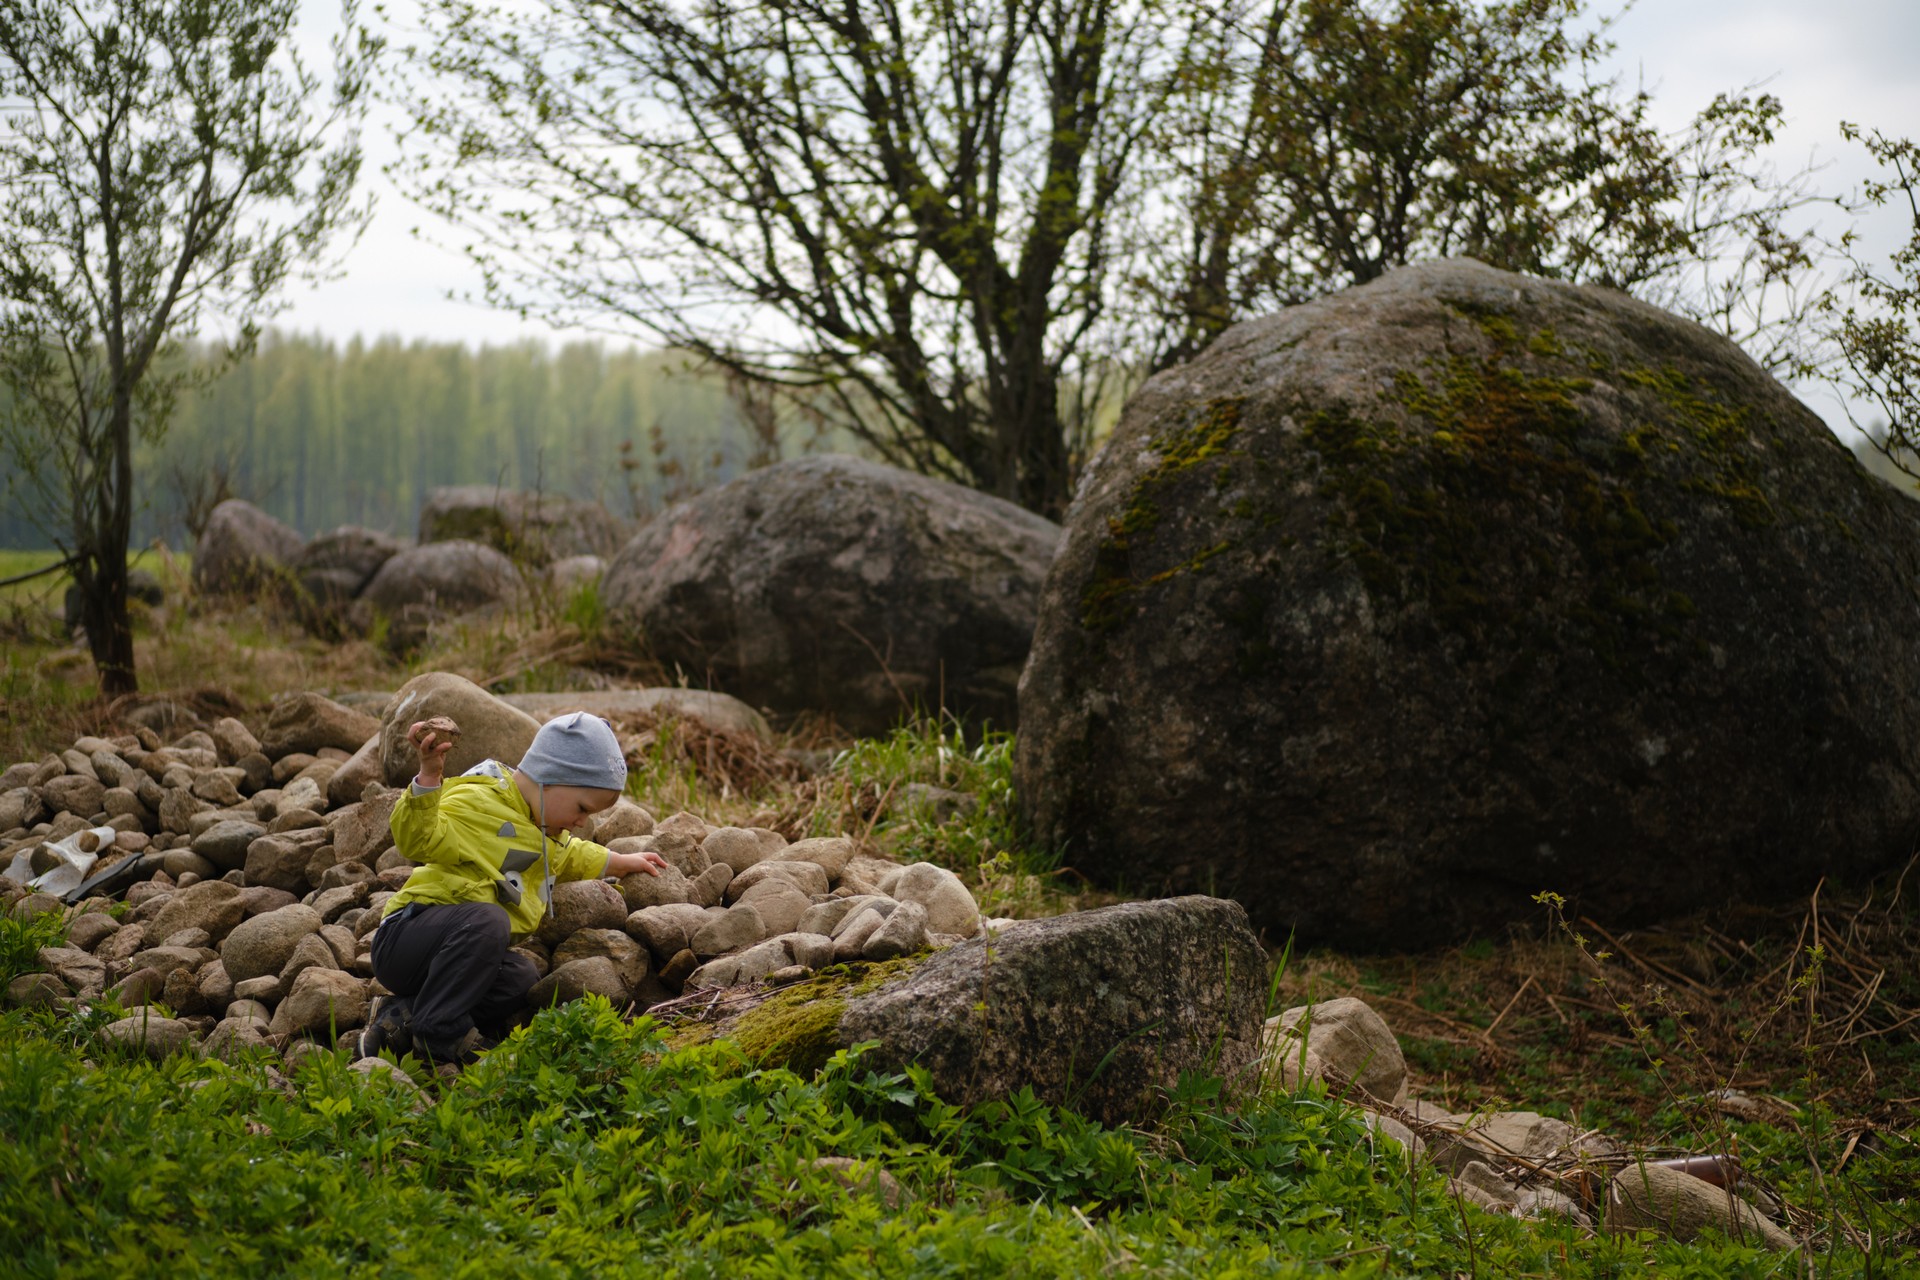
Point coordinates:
[(489, 845)]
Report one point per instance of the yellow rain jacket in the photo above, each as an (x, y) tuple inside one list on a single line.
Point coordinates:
[(469, 832)]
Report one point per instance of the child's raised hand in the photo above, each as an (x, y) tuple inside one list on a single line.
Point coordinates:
[(433, 739)]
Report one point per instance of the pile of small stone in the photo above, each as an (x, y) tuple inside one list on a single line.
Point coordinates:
[(237, 879), (738, 905)]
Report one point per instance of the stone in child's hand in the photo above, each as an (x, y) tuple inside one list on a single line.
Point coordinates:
[(424, 733)]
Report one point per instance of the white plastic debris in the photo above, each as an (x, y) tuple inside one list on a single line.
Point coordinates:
[(76, 859)]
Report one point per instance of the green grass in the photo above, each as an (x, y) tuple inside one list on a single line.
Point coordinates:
[(21, 940), (981, 841), (590, 1148), (586, 1147), (14, 563), (51, 589)]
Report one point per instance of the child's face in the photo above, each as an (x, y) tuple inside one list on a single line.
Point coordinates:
[(568, 808)]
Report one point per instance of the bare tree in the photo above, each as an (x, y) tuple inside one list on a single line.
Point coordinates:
[(1879, 325)]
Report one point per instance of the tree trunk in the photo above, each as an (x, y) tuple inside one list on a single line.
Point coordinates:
[(1043, 472), (102, 573), (103, 610)]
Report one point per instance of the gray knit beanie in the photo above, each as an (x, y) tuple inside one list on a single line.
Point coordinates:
[(576, 750)]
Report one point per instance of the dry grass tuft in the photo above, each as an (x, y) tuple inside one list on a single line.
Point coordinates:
[(831, 802), (710, 763), (1819, 998)]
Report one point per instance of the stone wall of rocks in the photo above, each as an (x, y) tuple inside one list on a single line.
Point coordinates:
[(225, 876)]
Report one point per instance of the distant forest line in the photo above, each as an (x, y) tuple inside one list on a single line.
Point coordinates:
[(321, 434)]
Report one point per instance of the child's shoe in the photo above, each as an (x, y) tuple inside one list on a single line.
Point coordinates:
[(456, 1053), (389, 1028)]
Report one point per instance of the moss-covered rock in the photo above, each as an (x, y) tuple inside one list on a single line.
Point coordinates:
[(1395, 609), (1102, 1010)]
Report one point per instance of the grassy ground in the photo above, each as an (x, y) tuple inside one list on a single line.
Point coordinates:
[(585, 1147), (48, 591), (688, 1163)]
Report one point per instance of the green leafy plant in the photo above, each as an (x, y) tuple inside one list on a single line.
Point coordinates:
[(586, 612), (21, 940), (586, 1145), (929, 793)]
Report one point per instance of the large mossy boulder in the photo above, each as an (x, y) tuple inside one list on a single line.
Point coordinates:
[(1396, 609), (1101, 1010), (839, 585)]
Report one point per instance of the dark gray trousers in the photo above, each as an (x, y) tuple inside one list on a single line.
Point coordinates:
[(452, 963)]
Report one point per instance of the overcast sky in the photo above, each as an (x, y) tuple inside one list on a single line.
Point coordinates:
[(1827, 60)]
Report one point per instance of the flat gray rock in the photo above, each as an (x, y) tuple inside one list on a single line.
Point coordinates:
[(1101, 1010)]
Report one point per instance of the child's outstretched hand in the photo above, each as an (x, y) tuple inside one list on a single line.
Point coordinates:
[(433, 739), (627, 864)]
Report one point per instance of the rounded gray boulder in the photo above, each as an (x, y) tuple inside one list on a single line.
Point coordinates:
[(1396, 609), (260, 946), (839, 585), (537, 527), (241, 550), (212, 905), (337, 565), (443, 578)]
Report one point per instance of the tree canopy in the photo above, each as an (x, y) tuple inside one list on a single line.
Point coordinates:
[(910, 214), (1879, 329), (165, 166), (1320, 143), (963, 227)]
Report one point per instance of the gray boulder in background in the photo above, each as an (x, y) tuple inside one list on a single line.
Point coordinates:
[(449, 576), (422, 586), (536, 527), (1395, 609), (242, 550), (337, 565), (840, 585)]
